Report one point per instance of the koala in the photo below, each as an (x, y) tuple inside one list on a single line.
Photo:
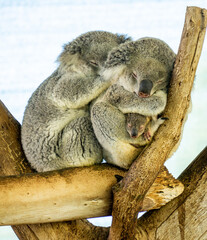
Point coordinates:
[(136, 124), (56, 130), (140, 72), (119, 147)]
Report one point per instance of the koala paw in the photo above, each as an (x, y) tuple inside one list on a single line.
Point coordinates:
[(147, 134)]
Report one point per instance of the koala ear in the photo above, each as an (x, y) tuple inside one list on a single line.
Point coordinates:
[(76, 46), (73, 47), (120, 55)]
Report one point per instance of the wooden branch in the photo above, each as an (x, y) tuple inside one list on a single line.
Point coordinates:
[(128, 197), (13, 162), (74, 193), (185, 217)]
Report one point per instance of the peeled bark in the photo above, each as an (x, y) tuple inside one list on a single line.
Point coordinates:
[(128, 198)]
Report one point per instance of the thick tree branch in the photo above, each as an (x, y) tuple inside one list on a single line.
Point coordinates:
[(13, 162), (185, 217), (128, 199)]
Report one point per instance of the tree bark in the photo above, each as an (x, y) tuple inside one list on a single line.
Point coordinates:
[(185, 217), (128, 197)]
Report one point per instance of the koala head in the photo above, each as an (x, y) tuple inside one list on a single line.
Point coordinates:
[(92, 47), (136, 124), (143, 66)]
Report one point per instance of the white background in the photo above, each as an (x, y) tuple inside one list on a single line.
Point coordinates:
[(32, 34)]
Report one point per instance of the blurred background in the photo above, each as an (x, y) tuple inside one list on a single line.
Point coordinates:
[(32, 34)]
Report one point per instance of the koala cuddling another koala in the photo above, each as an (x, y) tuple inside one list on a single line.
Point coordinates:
[(140, 71), (56, 130)]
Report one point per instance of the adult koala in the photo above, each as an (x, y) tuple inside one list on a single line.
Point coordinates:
[(140, 72), (57, 131)]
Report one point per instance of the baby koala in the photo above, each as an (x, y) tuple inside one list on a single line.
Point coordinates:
[(136, 124), (139, 125)]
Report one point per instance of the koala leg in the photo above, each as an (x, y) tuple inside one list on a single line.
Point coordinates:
[(78, 145)]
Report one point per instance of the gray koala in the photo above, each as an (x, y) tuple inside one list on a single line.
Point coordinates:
[(140, 72), (136, 124), (57, 131)]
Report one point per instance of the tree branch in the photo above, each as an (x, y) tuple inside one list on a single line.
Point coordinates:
[(74, 193), (13, 162), (185, 217), (128, 198)]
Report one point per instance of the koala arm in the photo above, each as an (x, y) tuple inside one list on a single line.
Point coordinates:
[(77, 91), (128, 102)]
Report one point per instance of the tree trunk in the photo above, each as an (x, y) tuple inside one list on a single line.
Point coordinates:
[(128, 197)]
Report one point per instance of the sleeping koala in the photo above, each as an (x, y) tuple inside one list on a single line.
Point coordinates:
[(140, 72), (57, 131)]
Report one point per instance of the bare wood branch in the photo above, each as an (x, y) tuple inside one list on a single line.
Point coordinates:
[(128, 199), (13, 162), (75, 193), (185, 217)]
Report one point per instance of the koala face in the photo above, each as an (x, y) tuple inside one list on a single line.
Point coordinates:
[(136, 124), (150, 75), (144, 78), (143, 66)]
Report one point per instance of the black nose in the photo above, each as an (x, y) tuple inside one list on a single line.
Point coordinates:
[(145, 87), (134, 132)]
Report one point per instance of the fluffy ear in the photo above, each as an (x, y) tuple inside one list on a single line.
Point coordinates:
[(77, 44), (85, 40), (129, 53), (74, 47), (120, 55)]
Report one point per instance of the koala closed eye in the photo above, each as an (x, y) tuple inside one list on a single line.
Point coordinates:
[(134, 75), (94, 63)]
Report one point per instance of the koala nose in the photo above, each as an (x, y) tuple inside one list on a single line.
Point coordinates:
[(145, 88), (134, 133)]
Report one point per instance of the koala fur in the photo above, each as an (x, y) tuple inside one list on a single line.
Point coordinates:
[(140, 72), (57, 131)]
